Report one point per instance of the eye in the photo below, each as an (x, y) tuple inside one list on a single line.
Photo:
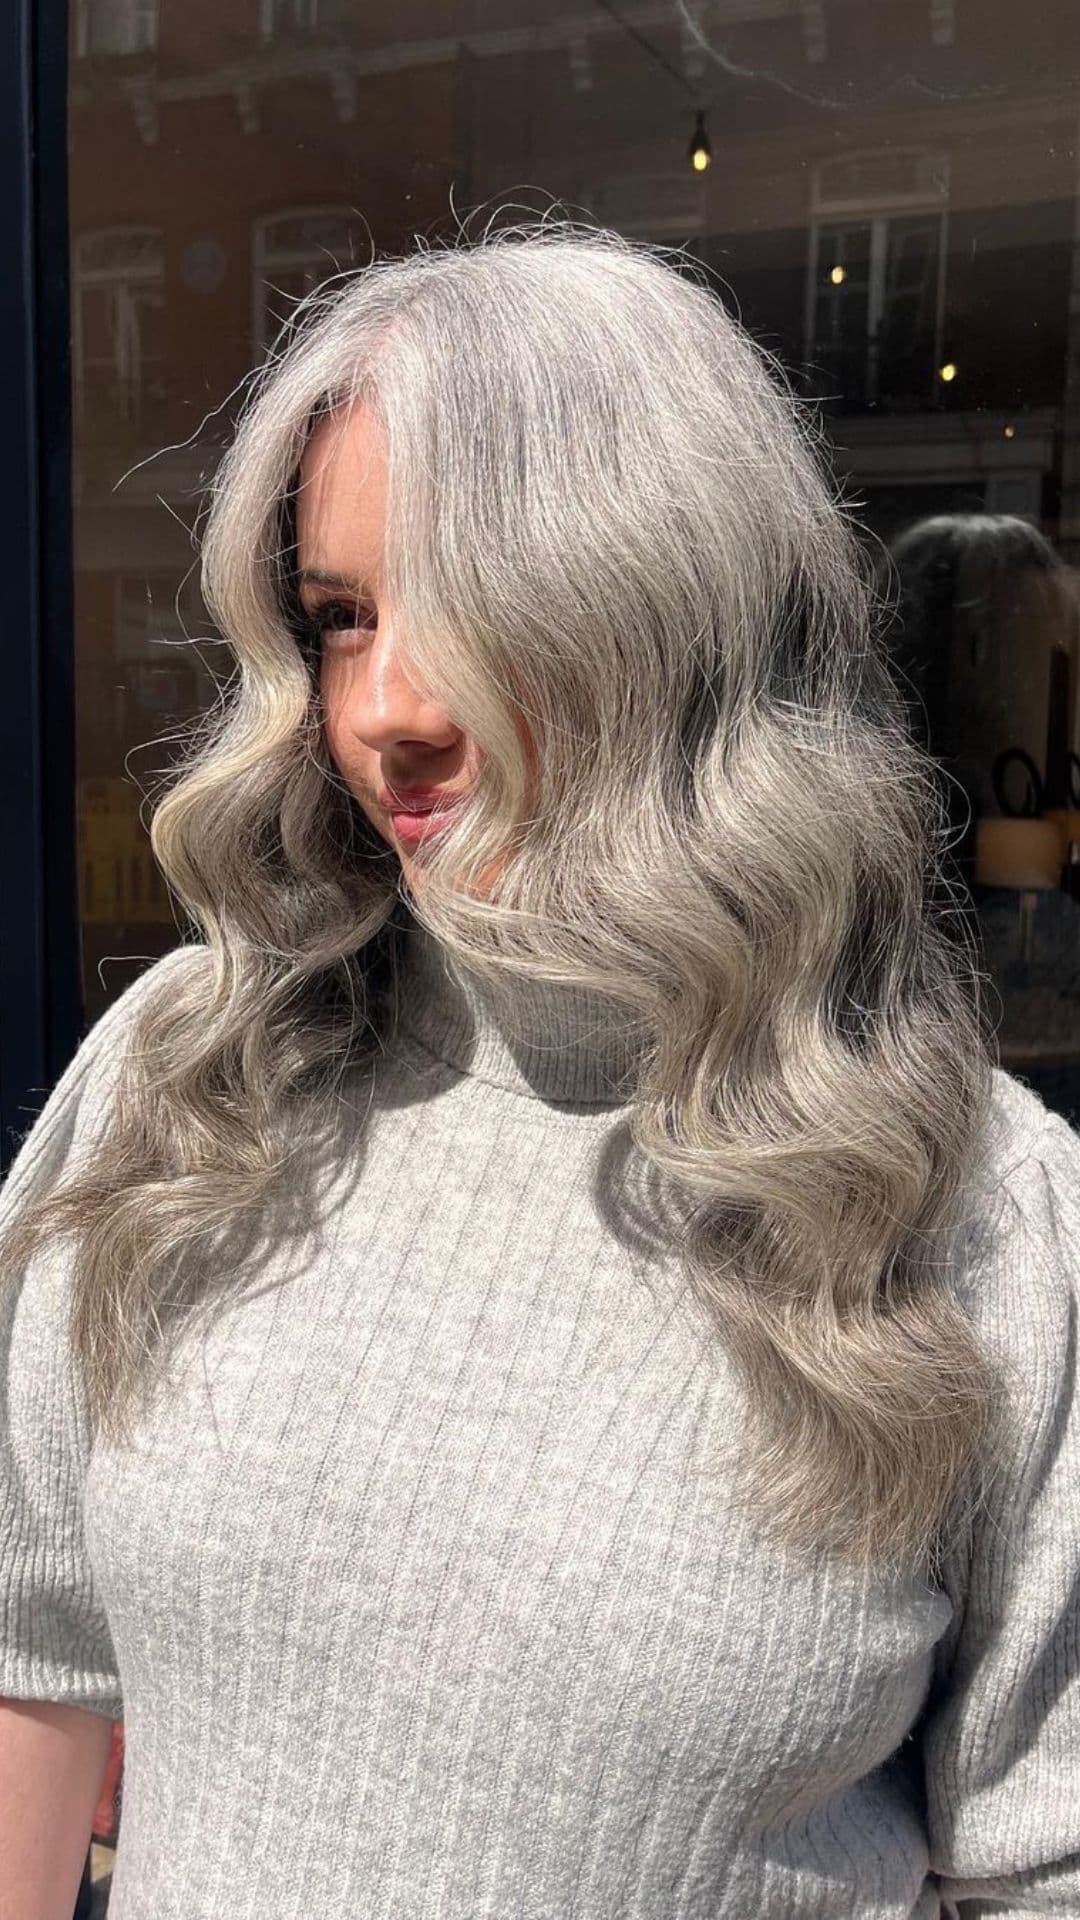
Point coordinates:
[(338, 619)]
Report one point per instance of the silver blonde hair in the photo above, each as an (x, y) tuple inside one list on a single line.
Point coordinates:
[(607, 516)]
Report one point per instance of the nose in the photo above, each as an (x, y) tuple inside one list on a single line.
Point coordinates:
[(380, 706)]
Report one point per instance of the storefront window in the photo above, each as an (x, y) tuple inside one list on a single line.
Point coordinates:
[(886, 196)]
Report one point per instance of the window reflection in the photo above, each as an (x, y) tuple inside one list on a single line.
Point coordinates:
[(293, 252), (117, 344), (114, 26), (877, 278), (889, 206)]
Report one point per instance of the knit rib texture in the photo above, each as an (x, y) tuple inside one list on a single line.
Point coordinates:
[(421, 1587)]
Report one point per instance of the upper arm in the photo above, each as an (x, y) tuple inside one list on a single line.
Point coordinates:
[(54, 1637), (1001, 1744)]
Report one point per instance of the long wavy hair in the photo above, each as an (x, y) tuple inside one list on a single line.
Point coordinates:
[(608, 519)]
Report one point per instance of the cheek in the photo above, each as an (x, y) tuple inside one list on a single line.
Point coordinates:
[(330, 715), (329, 689), (333, 700), (343, 750)]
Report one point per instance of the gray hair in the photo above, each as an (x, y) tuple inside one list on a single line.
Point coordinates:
[(607, 515)]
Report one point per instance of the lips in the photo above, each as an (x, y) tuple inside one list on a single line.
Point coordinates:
[(416, 829), (416, 800)]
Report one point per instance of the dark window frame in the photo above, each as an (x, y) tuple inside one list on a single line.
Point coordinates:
[(41, 1014)]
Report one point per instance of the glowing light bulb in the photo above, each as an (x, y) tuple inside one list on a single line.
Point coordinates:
[(699, 150), (838, 276), (948, 371)]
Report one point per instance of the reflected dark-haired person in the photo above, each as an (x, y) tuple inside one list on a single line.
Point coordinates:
[(984, 637), (540, 1341)]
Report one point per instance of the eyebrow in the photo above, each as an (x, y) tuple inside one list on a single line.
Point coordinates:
[(340, 582)]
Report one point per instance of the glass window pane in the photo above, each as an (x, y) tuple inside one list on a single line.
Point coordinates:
[(909, 311), (890, 208), (841, 340), (886, 196)]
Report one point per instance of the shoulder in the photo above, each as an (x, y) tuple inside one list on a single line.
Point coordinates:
[(1019, 1277), (78, 1105), (107, 1042), (162, 976), (999, 1737), (1018, 1125), (1025, 1187)]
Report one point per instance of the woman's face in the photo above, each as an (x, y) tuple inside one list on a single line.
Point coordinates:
[(383, 737)]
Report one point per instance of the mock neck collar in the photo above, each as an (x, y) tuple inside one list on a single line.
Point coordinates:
[(546, 1041)]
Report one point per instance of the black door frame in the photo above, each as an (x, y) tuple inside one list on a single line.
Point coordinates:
[(41, 1015), (41, 1008)]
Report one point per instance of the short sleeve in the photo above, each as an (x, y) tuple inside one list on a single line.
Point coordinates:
[(54, 1637), (1001, 1741)]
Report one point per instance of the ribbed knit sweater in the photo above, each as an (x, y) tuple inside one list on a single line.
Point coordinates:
[(422, 1590)]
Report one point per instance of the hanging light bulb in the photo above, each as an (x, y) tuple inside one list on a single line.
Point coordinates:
[(700, 151)]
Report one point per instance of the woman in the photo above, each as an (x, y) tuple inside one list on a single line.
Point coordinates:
[(567, 1406), (983, 606)]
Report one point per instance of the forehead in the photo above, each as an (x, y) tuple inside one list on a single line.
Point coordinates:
[(341, 500)]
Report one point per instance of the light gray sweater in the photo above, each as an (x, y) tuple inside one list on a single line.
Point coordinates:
[(422, 1593)]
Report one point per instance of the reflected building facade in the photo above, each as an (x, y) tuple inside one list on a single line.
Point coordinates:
[(891, 208)]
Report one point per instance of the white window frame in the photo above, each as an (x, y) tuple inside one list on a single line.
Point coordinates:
[(270, 24), (122, 277), (876, 211), (134, 26)]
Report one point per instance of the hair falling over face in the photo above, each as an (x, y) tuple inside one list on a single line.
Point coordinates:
[(628, 556)]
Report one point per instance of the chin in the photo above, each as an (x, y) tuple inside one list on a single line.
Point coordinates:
[(481, 889)]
